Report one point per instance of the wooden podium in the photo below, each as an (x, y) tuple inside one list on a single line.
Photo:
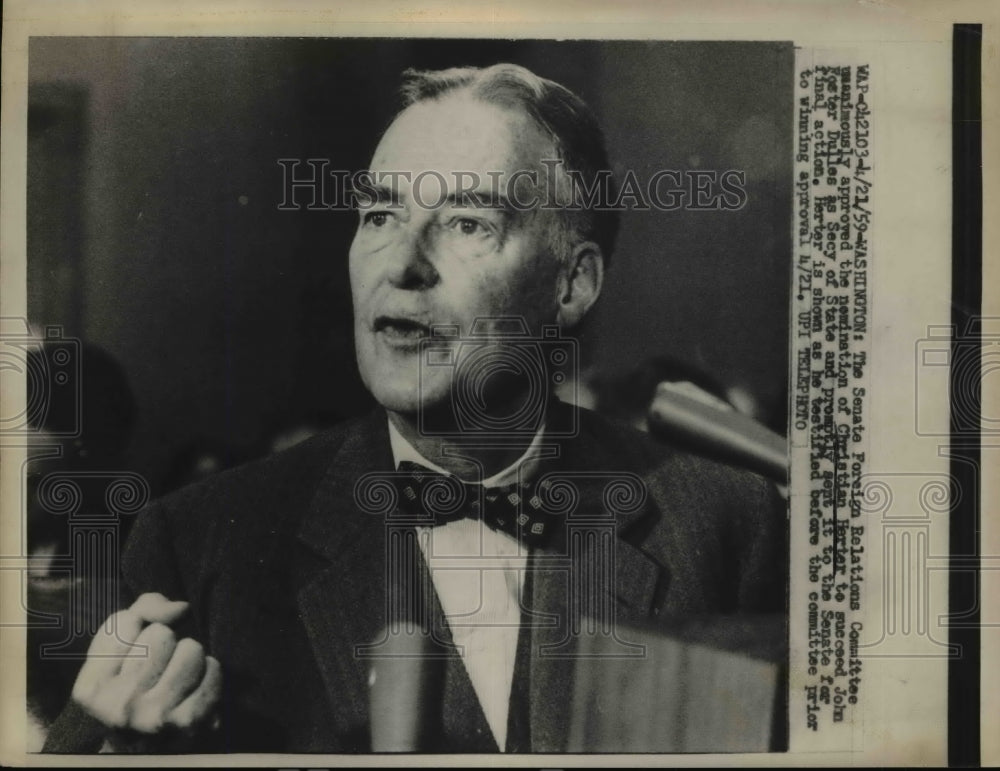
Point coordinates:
[(711, 684)]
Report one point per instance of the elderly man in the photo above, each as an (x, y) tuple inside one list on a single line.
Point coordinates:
[(265, 594)]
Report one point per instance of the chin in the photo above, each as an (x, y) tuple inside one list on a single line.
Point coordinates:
[(404, 394), (391, 394)]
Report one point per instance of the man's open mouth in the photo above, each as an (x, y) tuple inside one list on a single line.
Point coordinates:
[(401, 328)]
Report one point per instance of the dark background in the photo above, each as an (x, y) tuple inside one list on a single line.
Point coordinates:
[(154, 230)]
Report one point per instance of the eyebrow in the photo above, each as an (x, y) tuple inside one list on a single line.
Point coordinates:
[(480, 199), (489, 199), (384, 194)]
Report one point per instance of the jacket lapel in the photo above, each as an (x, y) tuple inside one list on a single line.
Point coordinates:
[(604, 576), (342, 597)]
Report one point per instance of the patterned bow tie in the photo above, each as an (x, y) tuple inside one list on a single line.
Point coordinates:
[(441, 498)]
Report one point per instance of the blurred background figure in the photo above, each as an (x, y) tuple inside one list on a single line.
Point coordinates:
[(288, 433), (77, 431), (205, 456), (82, 414), (197, 460)]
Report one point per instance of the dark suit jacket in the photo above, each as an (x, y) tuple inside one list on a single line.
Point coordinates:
[(287, 578)]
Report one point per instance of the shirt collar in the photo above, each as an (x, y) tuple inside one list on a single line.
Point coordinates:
[(524, 467)]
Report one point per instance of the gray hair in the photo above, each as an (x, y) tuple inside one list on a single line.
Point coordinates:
[(561, 114)]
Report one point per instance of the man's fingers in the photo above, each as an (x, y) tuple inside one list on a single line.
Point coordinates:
[(182, 676), (197, 707), (151, 709), (132, 678), (153, 607), (149, 656), (104, 657)]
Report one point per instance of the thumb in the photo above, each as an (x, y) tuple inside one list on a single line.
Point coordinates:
[(153, 607)]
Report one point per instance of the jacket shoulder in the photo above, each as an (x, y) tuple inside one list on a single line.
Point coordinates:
[(722, 530), (283, 475), (251, 510)]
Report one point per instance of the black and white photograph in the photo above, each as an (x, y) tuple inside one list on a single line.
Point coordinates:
[(324, 295)]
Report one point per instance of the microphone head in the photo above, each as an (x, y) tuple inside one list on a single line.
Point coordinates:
[(406, 684), (722, 433)]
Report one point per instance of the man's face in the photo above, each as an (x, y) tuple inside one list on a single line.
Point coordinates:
[(415, 263)]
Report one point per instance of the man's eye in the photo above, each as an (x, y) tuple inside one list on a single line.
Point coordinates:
[(469, 227), (376, 218)]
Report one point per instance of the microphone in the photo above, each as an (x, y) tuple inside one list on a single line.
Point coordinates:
[(406, 684), (718, 432)]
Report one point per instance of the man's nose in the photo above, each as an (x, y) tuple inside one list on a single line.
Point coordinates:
[(412, 266)]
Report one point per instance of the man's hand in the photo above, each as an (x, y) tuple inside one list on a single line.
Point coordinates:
[(139, 677)]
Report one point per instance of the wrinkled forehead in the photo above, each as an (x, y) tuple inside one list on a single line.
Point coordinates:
[(461, 133)]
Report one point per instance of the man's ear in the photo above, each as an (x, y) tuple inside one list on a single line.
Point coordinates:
[(580, 283)]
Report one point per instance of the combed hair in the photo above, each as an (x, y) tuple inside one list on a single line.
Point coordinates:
[(560, 113)]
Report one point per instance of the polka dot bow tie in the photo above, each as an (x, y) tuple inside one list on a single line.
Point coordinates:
[(515, 509)]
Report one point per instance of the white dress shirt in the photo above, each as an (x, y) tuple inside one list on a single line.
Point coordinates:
[(478, 574)]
